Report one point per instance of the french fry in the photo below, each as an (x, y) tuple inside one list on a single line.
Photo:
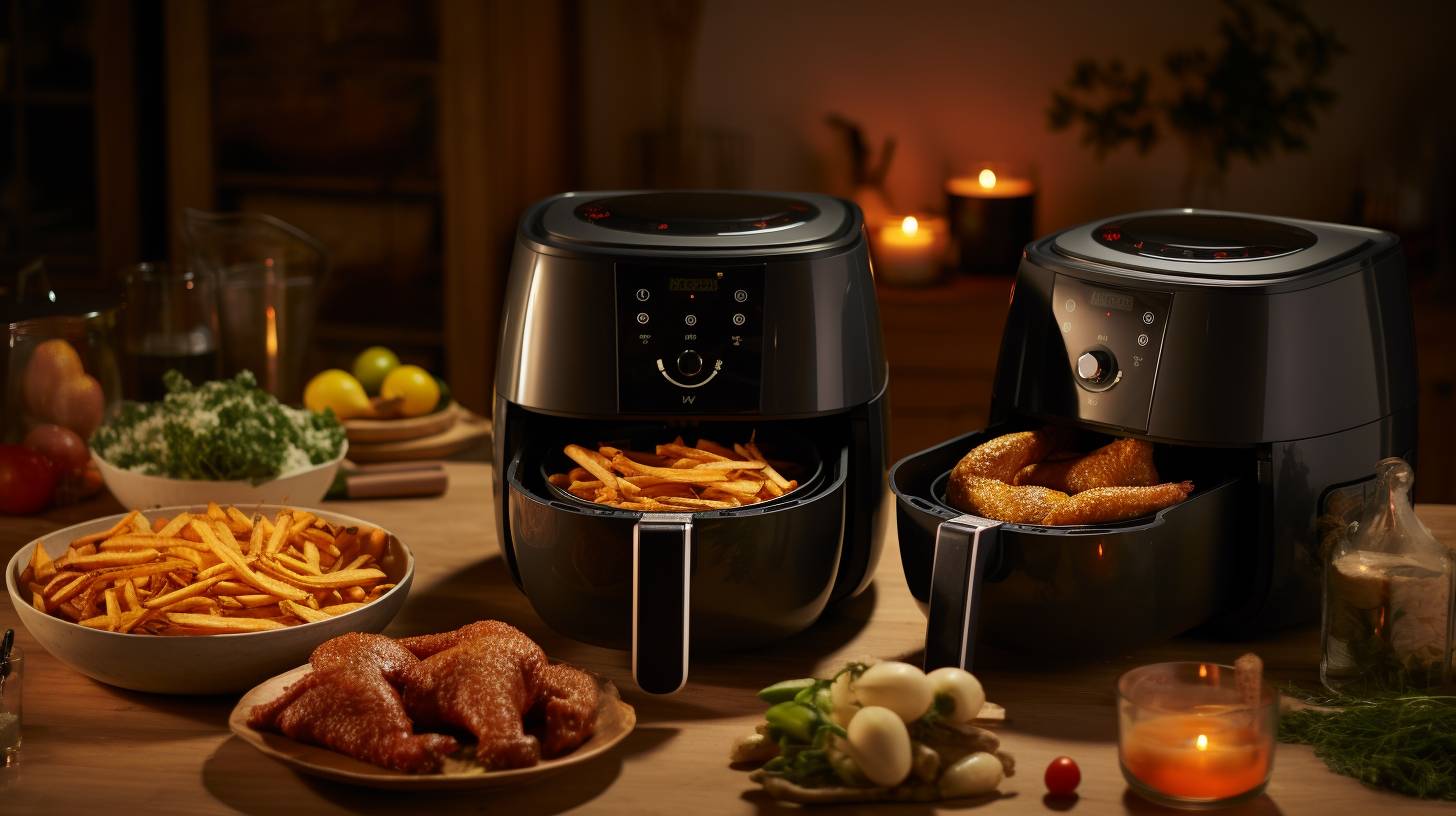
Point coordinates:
[(593, 462), (220, 624), (280, 533), (302, 612), (174, 526), (191, 590)]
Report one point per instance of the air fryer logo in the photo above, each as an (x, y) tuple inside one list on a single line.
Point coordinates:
[(688, 399)]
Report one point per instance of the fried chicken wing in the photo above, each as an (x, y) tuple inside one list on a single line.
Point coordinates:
[(567, 698), (1103, 504), (1012, 478), (994, 499), (1123, 463), (481, 678), (347, 704), (1003, 457)]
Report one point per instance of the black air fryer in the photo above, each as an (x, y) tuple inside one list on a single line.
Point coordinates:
[(1270, 360), (633, 317)]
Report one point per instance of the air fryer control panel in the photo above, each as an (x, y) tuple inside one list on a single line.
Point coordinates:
[(1112, 337), (689, 339)]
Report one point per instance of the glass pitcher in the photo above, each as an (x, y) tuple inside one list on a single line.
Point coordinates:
[(268, 274), (1389, 600), (59, 363)]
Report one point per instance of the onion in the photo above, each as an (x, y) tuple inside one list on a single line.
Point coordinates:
[(879, 743), (963, 691), (973, 775), (900, 687)]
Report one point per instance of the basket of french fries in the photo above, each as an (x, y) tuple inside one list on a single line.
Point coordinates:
[(732, 532), (205, 599), (675, 477)]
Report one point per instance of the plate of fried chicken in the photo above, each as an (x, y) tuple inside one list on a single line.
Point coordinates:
[(479, 706)]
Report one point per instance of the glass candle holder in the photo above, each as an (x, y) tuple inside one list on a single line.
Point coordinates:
[(1190, 735)]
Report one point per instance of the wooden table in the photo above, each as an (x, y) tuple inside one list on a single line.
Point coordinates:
[(90, 747)]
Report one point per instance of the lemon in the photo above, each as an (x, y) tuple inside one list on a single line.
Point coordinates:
[(373, 365), (336, 389), (415, 386)]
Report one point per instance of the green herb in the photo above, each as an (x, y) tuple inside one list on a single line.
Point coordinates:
[(221, 430), (1405, 743)]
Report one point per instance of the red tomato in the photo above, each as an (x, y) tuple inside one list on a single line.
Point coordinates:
[(27, 480), (1063, 776), (66, 450)]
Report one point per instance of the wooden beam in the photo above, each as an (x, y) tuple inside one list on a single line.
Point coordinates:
[(117, 201), (189, 115), (506, 103)]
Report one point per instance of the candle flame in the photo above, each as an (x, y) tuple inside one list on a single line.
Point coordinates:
[(1202, 671), (1099, 549), (271, 340), (987, 178), (910, 225), (1202, 742)]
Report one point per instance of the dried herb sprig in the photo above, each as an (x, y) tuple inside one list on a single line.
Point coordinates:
[(1402, 742)]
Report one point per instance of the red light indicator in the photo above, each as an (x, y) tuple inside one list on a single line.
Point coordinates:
[(1138, 245), (1108, 314), (1112, 235), (1220, 255), (661, 227)]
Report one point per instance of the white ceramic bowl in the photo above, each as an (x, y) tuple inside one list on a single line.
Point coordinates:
[(302, 489), (196, 664)]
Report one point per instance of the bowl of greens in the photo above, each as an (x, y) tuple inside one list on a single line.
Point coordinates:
[(227, 441)]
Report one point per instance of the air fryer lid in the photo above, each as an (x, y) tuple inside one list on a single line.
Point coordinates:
[(1211, 244), (696, 219)]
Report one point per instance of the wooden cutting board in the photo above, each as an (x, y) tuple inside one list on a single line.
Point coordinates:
[(466, 431), (371, 431)]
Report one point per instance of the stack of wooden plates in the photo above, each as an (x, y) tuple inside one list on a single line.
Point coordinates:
[(432, 436)]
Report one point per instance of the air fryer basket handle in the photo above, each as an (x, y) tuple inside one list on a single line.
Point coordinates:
[(662, 556), (964, 546)]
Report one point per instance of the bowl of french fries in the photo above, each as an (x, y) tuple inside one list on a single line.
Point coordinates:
[(205, 599)]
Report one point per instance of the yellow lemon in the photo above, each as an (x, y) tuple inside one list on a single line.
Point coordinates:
[(415, 386), (336, 389)]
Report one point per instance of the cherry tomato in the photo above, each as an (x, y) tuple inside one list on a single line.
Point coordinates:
[(27, 480), (66, 450), (1063, 776)]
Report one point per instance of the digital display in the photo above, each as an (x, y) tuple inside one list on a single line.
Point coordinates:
[(694, 285), (1111, 300)]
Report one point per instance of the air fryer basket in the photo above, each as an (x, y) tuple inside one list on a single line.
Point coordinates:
[(662, 584), (1086, 589)]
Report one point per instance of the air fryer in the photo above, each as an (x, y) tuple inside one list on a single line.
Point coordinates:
[(1269, 360), (633, 318)]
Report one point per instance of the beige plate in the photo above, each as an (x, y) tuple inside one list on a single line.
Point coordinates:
[(615, 720), (398, 430)]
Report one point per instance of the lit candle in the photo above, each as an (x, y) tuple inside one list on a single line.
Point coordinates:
[(992, 216), (908, 250), (1196, 733), (1190, 756)]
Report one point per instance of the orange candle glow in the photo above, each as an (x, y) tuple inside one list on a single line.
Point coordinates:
[(907, 250), (1192, 756), (270, 346)]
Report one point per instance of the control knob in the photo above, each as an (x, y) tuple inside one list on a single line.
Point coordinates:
[(1095, 366), (690, 363)]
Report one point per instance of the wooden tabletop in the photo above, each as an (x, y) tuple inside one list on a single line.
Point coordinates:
[(90, 747)]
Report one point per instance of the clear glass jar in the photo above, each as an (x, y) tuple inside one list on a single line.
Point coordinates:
[(1390, 596)]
